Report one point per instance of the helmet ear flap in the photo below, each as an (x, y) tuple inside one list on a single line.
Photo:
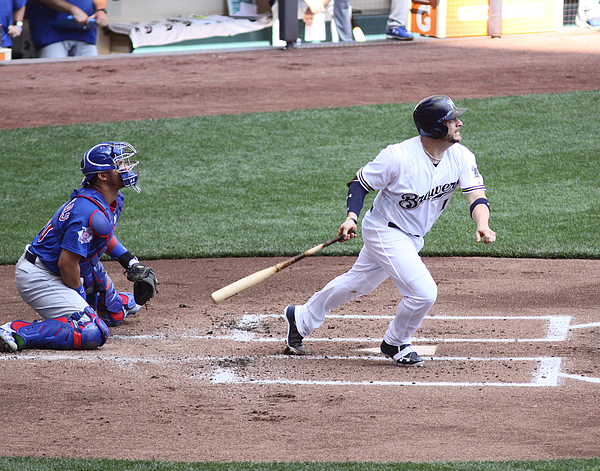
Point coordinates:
[(435, 132)]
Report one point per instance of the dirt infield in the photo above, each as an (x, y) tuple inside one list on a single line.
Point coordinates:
[(133, 87), (512, 347)]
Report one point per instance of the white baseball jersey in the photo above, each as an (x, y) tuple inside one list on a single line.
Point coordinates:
[(412, 191)]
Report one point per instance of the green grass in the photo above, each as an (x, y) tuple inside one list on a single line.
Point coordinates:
[(39, 464), (274, 184)]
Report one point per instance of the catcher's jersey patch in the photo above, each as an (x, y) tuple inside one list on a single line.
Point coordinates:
[(85, 235)]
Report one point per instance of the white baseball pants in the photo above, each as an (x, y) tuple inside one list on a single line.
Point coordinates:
[(387, 252)]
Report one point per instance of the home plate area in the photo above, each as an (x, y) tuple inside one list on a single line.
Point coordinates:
[(258, 342), (462, 351)]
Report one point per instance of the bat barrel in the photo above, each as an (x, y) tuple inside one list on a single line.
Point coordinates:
[(237, 287)]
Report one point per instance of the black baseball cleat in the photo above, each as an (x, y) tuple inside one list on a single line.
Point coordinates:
[(404, 355), (294, 339)]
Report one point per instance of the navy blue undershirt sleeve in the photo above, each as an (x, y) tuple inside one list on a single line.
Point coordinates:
[(356, 197)]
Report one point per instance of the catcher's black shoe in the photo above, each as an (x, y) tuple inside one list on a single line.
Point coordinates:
[(294, 339), (404, 355)]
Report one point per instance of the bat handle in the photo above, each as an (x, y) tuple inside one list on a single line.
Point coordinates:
[(337, 238)]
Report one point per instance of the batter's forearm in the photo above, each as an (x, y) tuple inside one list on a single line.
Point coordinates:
[(481, 216)]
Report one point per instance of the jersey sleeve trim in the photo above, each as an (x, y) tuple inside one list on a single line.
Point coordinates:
[(471, 189), (363, 182)]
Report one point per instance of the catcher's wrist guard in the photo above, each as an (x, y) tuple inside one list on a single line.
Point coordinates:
[(126, 258), (144, 282)]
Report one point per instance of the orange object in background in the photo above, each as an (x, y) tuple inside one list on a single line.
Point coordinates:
[(5, 53), (423, 17), (462, 18)]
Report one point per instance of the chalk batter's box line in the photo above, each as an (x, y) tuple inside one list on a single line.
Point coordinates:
[(248, 337), (546, 375), (558, 327), (557, 331)]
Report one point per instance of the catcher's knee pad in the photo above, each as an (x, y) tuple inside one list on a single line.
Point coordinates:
[(81, 331), (94, 332)]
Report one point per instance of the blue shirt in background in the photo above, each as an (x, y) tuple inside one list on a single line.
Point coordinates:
[(42, 19), (7, 7)]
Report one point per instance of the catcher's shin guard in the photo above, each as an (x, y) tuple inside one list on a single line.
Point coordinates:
[(127, 305), (112, 307), (81, 331)]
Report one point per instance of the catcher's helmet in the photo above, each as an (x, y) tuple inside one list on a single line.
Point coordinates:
[(430, 114), (110, 156)]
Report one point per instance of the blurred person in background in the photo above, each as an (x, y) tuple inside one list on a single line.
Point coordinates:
[(12, 14), (76, 39)]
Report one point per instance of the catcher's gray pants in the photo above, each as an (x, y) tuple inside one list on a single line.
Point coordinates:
[(45, 291), (387, 253)]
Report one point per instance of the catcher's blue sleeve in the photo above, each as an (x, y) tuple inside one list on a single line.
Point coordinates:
[(115, 248)]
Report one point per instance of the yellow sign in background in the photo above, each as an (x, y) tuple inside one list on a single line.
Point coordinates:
[(460, 18)]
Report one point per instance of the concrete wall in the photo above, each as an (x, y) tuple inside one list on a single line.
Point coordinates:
[(133, 10), (123, 11)]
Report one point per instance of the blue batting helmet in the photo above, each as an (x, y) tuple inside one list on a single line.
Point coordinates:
[(430, 114), (108, 156)]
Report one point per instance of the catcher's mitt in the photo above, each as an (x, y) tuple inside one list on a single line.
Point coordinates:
[(144, 282)]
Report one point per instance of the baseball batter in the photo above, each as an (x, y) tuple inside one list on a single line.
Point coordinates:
[(415, 179), (60, 274)]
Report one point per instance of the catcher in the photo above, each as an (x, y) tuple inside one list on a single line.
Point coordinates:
[(60, 274)]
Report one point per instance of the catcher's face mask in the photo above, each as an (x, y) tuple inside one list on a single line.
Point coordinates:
[(111, 156)]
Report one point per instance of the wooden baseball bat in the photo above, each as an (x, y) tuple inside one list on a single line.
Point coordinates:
[(237, 287)]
